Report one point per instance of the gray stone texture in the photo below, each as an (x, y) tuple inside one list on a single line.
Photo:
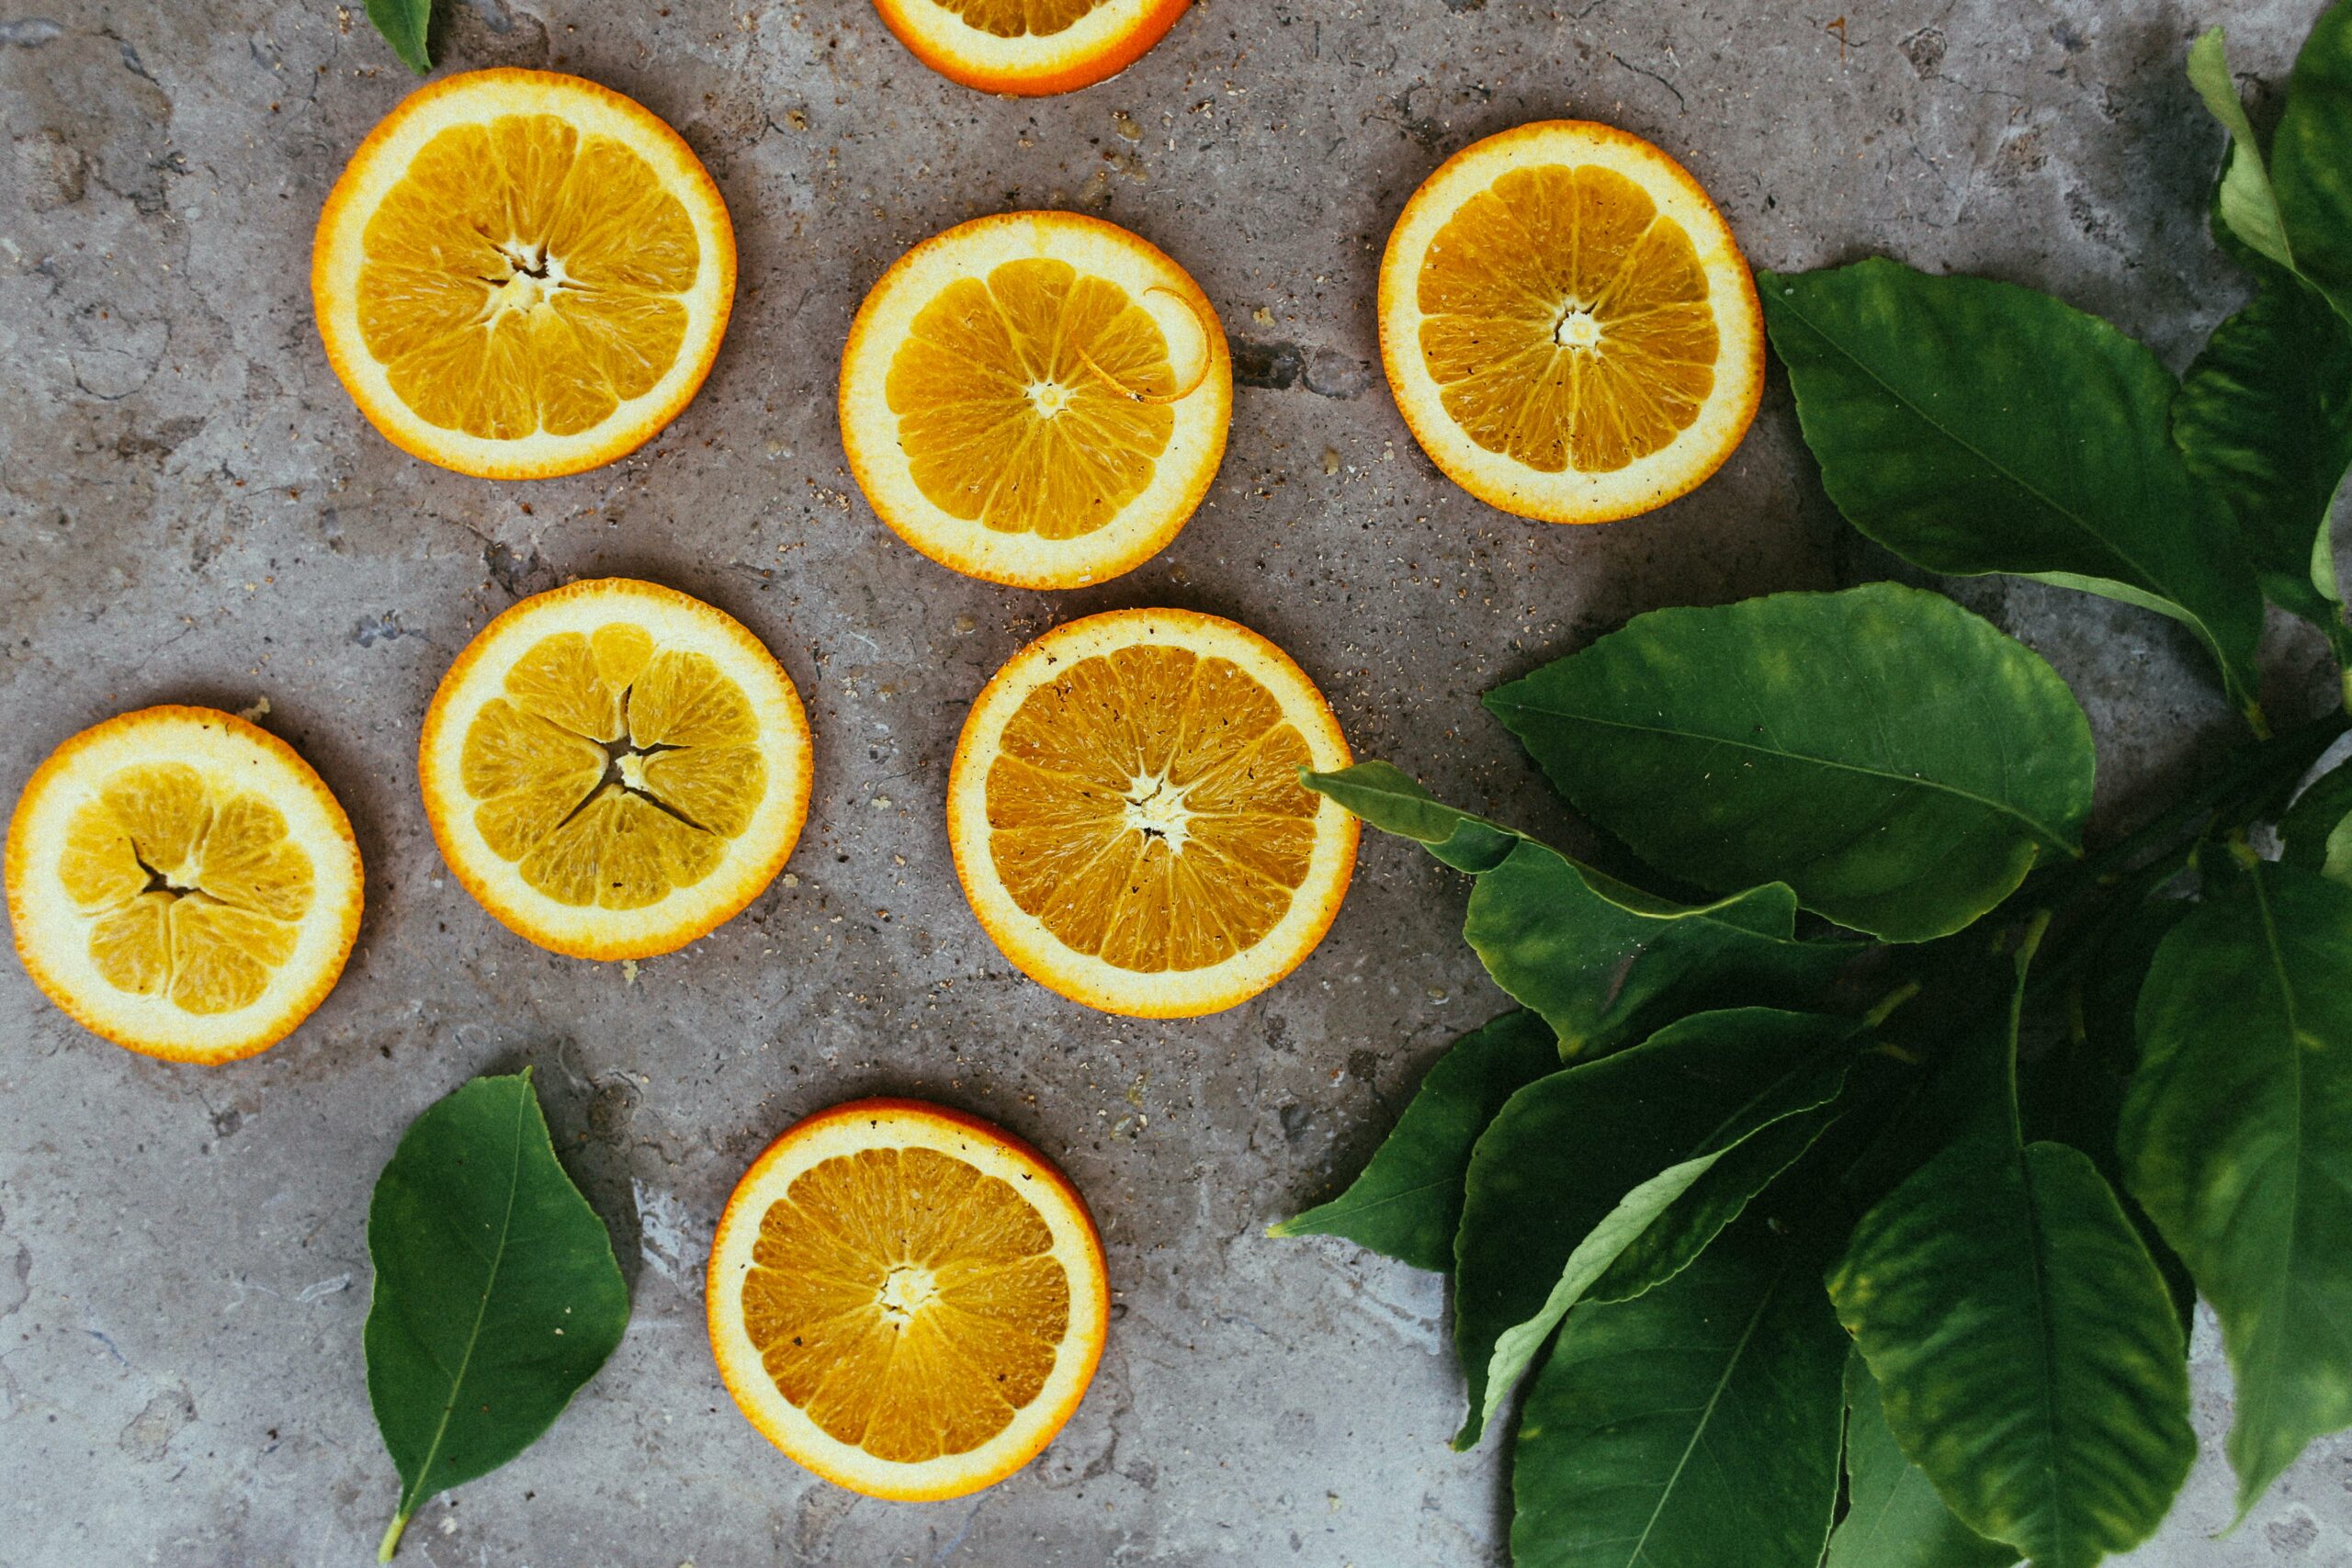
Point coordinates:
[(190, 510)]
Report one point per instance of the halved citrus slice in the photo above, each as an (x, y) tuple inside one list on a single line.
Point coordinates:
[(1126, 813), (1037, 399), (1568, 326), (181, 883), (1030, 48), (521, 274), (906, 1300), (613, 768)]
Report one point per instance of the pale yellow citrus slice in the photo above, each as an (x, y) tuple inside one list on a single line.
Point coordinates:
[(613, 768), (1039, 398), (906, 1300), (181, 883), (521, 274), (1029, 47), (1126, 813), (1567, 324)]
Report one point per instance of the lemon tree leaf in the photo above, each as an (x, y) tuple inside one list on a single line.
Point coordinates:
[(1973, 426), (1600, 960), (2029, 1360), (2306, 830), (1895, 1519), (2245, 201), (2310, 157), (1693, 1427), (404, 24), (1578, 1165), (1407, 1202), (1898, 761), (2264, 419), (2237, 1136), (496, 1293)]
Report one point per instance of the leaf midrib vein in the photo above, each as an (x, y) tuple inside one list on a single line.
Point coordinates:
[(473, 1336), (1706, 1415), (2003, 808)]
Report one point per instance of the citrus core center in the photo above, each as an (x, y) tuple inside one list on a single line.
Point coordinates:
[(1156, 809), (1049, 397), (907, 1288), (1579, 328)]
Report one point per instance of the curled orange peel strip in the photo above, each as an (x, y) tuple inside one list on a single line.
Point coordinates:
[(1161, 399)]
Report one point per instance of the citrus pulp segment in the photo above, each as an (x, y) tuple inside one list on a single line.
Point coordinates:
[(1029, 47), (613, 768), (1567, 324), (906, 1300), (522, 274), (1037, 399), (1126, 817), (181, 883)]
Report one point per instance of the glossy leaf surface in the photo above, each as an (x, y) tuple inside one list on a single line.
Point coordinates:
[(1896, 760)]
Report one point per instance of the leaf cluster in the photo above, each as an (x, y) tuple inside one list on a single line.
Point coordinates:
[(1840, 1196)]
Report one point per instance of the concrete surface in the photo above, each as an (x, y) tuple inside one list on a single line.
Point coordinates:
[(191, 510)]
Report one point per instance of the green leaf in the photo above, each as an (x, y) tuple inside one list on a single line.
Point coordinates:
[(2314, 825), (1973, 426), (1578, 1165), (1600, 960), (2238, 1132), (404, 24), (2264, 419), (1407, 1202), (496, 1294), (2030, 1361), (1695, 1427), (2310, 157), (2245, 201), (1895, 1519), (1896, 760)]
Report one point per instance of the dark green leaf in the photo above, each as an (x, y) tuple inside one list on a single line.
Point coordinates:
[(2030, 1361), (2265, 419), (2312, 831), (404, 24), (1895, 1518), (1896, 760), (1578, 1164), (1694, 1426), (2310, 157), (496, 1294), (2238, 1132), (1407, 1202), (1973, 426), (2245, 201), (1600, 960)]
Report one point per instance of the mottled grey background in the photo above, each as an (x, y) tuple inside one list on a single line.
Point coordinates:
[(190, 510)]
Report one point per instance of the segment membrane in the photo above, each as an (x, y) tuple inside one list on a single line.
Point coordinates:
[(612, 771), (1024, 400), (520, 278), (1145, 805), (1566, 321), (907, 1302), (195, 890)]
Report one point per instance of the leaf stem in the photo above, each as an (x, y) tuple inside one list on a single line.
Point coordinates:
[(391, 1541)]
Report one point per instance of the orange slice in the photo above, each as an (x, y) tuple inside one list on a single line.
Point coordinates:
[(1029, 47), (906, 1300), (613, 768), (1037, 399), (1568, 326), (521, 274), (181, 883), (1126, 817)]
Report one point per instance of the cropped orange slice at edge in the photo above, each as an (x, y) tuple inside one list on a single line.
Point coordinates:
[(906, 1300), (1029, 47), (521, 274), (613, 768), (183, 884), (1567, 324), (1127, 817)]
